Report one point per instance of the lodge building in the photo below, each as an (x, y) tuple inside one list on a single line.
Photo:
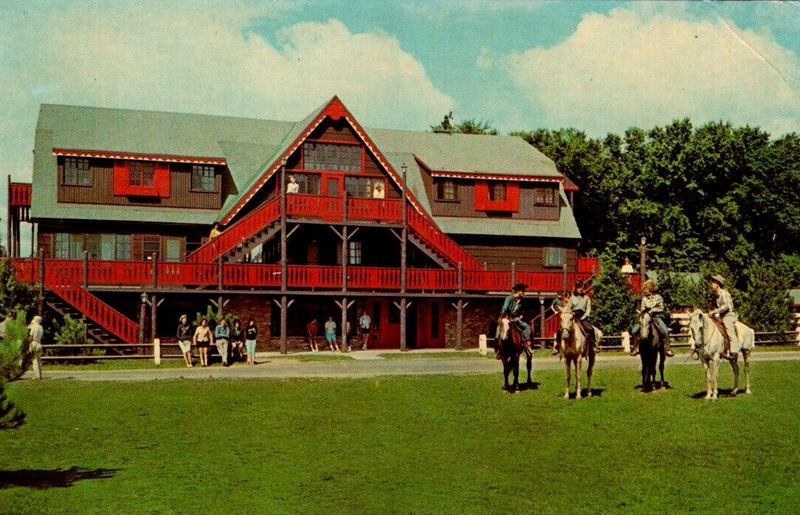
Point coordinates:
[(424, 231)]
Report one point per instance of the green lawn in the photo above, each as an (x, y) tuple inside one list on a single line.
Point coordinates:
[(451, 444)]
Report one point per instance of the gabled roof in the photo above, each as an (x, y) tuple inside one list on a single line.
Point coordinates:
[(252, 150)]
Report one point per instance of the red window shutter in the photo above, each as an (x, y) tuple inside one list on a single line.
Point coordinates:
[(121, 169), (161, 179), (481, 195), (512, 197)]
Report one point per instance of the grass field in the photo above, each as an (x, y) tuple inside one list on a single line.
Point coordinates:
[(450, 444)]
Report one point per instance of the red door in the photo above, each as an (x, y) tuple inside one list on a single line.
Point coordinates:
[(332, 185)]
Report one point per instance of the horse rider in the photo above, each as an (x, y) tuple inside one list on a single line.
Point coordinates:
[(558, 306), (725, 312), (652, 303), (581, 306), (512, 309)]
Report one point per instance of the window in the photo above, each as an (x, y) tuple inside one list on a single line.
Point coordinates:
[(354, 252), (68, 246), (554, 257), (109, 247), (141, 174), (151, 245), (77, 172), (307, 183), (203, 178), (497, 191), (329, 156), (446, 190), (172, 249), (123, 247), (358, 187), (544, 196)]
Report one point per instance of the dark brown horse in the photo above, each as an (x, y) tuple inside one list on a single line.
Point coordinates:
[(512, 344), (651, 349)]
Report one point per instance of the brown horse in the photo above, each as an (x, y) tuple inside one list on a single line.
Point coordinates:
[(651, 350), (574, 346), (512, 344)]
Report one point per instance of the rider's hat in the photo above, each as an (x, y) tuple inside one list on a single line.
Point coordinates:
[(718, 279), (519, 287), (649, 286)]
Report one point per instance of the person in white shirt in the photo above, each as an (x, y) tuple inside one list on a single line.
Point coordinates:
[(292, 186)]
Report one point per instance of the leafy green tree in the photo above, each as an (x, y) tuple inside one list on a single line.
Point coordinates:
[(613, 301), (766, 305), (72, 332), (16, 295), (15, 359), (468, 126)]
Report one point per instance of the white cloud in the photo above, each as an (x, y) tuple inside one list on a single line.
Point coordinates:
[(198, 58), (632, 67)]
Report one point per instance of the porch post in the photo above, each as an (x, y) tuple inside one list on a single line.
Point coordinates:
[(142, 314), (154, 269), (460, 307), (86, 269), (403, 262), (153, 316), (41, 282), (541, 316), (513, 273), (284, 263)]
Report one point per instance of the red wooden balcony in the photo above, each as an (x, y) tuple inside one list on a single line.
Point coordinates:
[(140, 274), (19, 194)]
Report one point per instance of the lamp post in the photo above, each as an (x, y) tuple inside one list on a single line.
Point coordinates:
[(642, 258)]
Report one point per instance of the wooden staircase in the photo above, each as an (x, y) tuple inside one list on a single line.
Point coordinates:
[(107, 324)]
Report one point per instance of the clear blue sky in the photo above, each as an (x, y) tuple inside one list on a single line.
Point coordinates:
[(597, 66)]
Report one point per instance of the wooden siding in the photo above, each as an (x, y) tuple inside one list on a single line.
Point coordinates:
[(101, 191), (499, 257), (465, 205)]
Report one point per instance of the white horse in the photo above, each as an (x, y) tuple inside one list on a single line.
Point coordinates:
[(709, 343), (573, 345)]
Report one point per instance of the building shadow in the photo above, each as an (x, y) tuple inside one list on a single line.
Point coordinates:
[(45, 479)]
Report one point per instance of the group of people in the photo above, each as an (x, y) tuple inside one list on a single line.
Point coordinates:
[(232, 343), (651, 303), (364, 322)]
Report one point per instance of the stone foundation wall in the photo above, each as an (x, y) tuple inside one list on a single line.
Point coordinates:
[(479, 318)]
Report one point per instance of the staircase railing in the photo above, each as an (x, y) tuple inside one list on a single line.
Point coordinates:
[(91, 307), (233, 235), (439, 241)]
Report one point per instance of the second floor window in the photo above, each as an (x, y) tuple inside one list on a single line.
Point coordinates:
[(446, 190), (77, 172), (141, 173), (554, 257), (544, 196), (354, 253), (497, 191), (203, 178), (329, 156)]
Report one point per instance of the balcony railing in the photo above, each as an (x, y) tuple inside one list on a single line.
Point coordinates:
[(99, 273), (19, 194)]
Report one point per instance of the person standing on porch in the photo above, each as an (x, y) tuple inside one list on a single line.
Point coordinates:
[(36, 333), (292, 186), (184, 335), (364, 323), (330, 334), (222, 336), (203, 338), (250, 335)]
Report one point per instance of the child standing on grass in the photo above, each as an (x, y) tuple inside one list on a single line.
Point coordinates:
[(250, 335), (330, 334), (237, 340)]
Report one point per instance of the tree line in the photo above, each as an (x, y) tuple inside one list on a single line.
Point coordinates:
[(708, 199)]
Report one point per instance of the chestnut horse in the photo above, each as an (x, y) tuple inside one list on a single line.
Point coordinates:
[(512, 345)]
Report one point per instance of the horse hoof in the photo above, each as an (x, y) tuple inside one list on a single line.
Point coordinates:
[(748, 392), (566, 395), (589, 393)]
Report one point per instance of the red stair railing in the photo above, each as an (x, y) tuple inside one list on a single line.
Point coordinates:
[(433, 236), (92, 307), (233, 235)]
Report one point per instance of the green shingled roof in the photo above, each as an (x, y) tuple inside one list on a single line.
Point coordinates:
[(250, 146)]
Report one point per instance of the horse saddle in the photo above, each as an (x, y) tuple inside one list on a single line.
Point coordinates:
[(724, 331)]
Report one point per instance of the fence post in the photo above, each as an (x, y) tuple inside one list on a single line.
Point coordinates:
[(482, 345), (626, 341), (798, 334), (157, 350)]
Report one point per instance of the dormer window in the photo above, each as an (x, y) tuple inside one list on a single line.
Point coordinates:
[(545, 196), (204, 178), (77, 172), (499, 196), (141, 173), (446, 190), (331, 157)]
